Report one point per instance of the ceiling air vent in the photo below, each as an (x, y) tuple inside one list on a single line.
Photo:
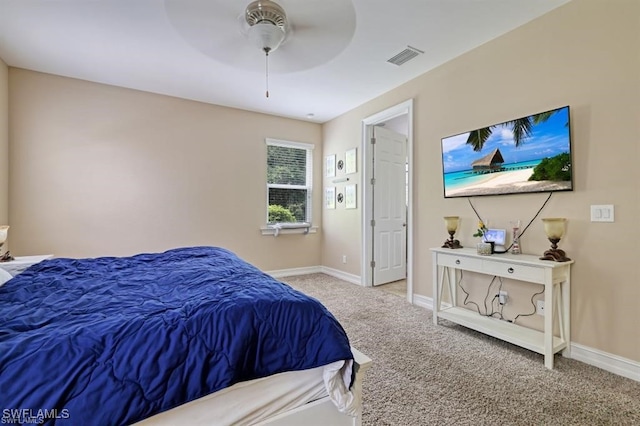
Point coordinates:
[(404, 56)]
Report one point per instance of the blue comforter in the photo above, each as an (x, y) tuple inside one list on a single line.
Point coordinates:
[(110, 341)]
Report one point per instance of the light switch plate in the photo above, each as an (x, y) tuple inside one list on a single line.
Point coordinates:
[(602, 213)]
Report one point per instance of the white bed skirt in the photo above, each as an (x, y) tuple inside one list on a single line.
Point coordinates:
[(255, 401)]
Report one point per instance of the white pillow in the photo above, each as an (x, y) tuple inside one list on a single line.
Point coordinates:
[(4, 277)]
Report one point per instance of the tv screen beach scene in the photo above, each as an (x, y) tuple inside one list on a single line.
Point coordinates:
[(528, 154)]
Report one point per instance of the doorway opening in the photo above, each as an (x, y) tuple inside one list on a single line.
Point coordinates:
[(387, 217)]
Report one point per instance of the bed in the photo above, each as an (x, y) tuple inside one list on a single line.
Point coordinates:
[(193, 335)]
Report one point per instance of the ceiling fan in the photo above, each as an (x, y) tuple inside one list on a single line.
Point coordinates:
[(267, 28), (305, 33)]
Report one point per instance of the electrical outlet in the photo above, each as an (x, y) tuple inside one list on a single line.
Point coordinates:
[(540, 307), (503, 296), (344, 258)]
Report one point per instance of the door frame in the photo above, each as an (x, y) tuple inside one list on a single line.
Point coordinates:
[(368, 123)]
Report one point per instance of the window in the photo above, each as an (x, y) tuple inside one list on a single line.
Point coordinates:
[(289, 171)]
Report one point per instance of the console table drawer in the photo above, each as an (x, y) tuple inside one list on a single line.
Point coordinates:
[(463, 262), (514, 271)]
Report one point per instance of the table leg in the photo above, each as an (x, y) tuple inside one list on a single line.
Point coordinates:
[(549, 314)]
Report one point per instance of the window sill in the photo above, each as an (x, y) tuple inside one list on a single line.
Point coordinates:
[(289, 228)]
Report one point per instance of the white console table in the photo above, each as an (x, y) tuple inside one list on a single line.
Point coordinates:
[(555, 276)]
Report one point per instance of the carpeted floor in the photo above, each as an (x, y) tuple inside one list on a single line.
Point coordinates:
[(449, 375)]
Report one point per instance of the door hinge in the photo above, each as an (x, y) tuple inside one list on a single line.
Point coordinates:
[(373, 263), (373, 222), (373, 141), (373, 181)]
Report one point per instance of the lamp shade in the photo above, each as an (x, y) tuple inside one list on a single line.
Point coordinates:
[(4, 230), (451, 223), (266, 36), (554, 227)]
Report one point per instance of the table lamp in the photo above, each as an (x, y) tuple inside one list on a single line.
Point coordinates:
[(452, 226), (554, 228)]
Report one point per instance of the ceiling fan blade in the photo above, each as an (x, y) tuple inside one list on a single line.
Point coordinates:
[(201, 22)]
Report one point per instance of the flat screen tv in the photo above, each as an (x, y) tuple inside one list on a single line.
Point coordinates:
[(528, 154)]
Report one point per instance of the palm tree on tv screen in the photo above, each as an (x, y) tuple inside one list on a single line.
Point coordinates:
[(521, 128)]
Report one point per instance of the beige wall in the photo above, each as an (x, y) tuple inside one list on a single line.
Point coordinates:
[(4, 145), (340, 226), (100, 170), (584, 54)]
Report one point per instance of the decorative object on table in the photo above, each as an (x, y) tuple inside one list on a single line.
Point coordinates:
[(482, 229), (515, 245), (484, 244), (4, 232), (498, 238), (555, 228), (452, 226), (485, 248)]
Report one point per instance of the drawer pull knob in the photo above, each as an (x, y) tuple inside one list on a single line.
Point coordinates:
[(510, 270), (457, 261)]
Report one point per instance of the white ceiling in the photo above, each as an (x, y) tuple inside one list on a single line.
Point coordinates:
[(194, 49)]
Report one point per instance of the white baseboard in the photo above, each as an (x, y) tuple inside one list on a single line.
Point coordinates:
[(354, 279), (612, 363), (423, 301), (280, 273), (606, 361)]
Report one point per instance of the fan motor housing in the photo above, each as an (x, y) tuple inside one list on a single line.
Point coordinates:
[(265, 11)]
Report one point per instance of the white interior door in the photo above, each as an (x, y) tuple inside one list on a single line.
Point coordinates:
[(389, 206)]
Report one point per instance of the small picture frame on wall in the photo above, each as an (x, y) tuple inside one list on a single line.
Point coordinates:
[(330, 166), (350, 196), (350, 161), (330, 197)]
